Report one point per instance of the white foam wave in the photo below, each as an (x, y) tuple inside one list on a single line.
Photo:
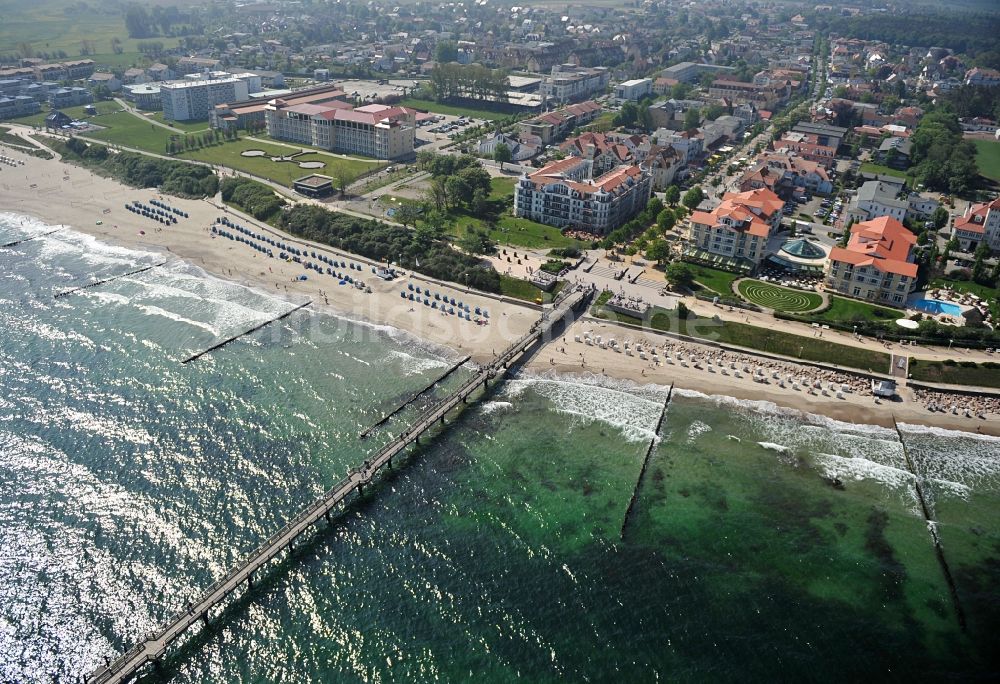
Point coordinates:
[(495, 406), (415, 365), (170, 315), (633, 415), (771, 446)]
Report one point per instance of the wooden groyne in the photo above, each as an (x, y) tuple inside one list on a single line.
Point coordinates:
[(932, 528), (155, 645), (244, 333), (15, 243), (364, 434), (107, 280), (645, 462)]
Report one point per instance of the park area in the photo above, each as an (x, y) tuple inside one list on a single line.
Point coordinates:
[(783, 299), (233, 155), (988, 158)]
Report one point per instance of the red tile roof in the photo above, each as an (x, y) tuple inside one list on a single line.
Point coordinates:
[(883, 243)]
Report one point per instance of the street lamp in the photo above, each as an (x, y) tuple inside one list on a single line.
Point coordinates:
[(950, 342)]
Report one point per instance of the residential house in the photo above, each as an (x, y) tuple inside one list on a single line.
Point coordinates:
[(69, 97), (554, 126), (663, 163), (876, 265), (103, 78)]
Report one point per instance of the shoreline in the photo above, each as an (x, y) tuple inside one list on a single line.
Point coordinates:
[(58, 193)]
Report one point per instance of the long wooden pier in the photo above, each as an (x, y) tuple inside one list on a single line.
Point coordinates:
[(244, 333), (15, 243), (155, 646), (364, 434), (645, 461), (107, 280)]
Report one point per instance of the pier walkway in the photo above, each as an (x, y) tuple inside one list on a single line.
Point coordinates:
[(155, 645)]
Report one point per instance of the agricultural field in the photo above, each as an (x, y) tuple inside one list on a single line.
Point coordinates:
[(52, 25)]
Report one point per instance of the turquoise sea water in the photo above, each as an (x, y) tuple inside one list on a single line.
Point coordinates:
[(764, 544)]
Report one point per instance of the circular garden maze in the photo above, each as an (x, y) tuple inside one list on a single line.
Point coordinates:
[(778, 298)]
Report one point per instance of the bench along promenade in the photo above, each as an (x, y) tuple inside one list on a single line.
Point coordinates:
[(155, 646)]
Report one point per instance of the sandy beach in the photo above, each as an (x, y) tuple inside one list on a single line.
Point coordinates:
[(60, 193)]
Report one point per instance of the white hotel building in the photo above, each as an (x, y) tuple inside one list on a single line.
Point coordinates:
[(193, 99)]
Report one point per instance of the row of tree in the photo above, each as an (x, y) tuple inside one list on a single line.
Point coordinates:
[(452, 80), (424, 251), (942, 159), (257, 199)]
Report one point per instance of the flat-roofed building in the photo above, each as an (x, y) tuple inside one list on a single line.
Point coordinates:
[(877, 263), (145, 96), (313, 185), (193, 100), (634, 90)]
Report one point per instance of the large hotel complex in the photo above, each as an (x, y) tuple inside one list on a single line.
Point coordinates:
[(378, 131), (564, 194)]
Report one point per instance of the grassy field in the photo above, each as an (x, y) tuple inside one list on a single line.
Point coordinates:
[(778, 298), (846, 310), (869, 167), (187, 127), (228, 154), (50, 25), (965, 373), (713, 280), (439, 108), (520, 289), (103, 107), (988, 158), (765, 340), (128, 130)]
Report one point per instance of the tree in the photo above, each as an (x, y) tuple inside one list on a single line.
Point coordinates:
[(477, 242), (501, 154), (407, 214), (137, 21), (627, 116), (940, 218), (659, 251), (979, 266), (679, 275), (341, 178), (672, 195), (692, 117), (693, 197), (666, 220), (446, 51)]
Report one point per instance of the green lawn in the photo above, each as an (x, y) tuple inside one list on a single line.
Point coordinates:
[(964, 373), (439, 108), (502, 189), (844, 310), (869, 167), (765, 340), (128, 130), (520, 289), (988, 158), (186, 126), (103, 107), (779, 298), (713, 280), (228, 154)]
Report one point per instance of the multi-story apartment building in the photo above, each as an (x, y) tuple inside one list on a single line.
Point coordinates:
[(377, 131), (19, 105), (738, 92), (738, 228), (564, 194), (877, 263), (689, 144), (980, 223), (782, 173), (69, 97), (553, 126), (64, 71), (194, 99), (634, 90), (568, 83), (883, 197)]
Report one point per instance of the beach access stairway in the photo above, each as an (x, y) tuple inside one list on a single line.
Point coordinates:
[(155, 646)]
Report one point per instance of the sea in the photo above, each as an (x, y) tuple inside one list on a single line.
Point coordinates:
[(523, 541)]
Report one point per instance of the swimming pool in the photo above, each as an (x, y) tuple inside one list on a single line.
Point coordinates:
[(936, 306)]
